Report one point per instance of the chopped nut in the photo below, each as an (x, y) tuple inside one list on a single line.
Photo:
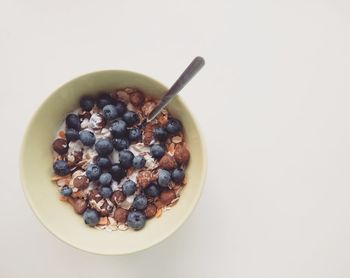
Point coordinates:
[(167, 196), (150, 211), (144, 178), (137, 98), (167, 162), (77, 173), (120, 215), (181, 155)]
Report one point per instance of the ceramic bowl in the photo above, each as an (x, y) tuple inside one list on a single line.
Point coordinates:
[(42, 194)]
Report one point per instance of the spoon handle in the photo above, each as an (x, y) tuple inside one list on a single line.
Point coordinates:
[(181, 82)]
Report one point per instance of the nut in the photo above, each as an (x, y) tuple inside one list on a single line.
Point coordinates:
[(150, 211), (120, 95), (171, 149), (120, 215), (137, 98), (181, 155), (167, 162), (79, 205), (60, 146), (118, 197), (167, 196), (144, 178), (81, 182), (84, 115)]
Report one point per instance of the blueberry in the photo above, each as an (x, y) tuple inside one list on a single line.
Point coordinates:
[(93, 172), (104, 99), (105, 179), (61, 168), (157, 151), (103, 162), (178, 175), (121, 107), (72, 135), (160, 134), (131, 118), (66, 191), (140, 202), (104, 147), (134, 134), (106, 192), (110, 112), (73, 121), (117, 172), (164, 178), (126, 157), (152, 190), (87, 103), (136, 220), (118, 129), (174, 126), (91, 217), (129, 187), (87, 137), (120, 143), (138, 162)]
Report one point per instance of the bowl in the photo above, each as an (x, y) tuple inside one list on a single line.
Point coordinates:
[(42, 194)]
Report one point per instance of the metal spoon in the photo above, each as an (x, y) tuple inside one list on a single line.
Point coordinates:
[(181, 82)]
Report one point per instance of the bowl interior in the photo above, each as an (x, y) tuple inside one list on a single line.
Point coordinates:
[(36, 168)]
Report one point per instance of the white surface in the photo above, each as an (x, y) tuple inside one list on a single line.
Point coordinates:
[(273, 101)]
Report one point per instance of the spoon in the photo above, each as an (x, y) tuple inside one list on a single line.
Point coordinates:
[(179, 84)]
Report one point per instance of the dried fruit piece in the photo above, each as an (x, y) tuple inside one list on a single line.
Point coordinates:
[(144, 178), (120, 215), (167, 162), (150, 211), (62, 134), (181, 155), (167, 196)]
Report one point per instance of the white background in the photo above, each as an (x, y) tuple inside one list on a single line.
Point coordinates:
[(273, 102)]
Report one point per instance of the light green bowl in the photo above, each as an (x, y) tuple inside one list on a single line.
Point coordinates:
[(36, 168)]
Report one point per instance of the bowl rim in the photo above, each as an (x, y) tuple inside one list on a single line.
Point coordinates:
[(185, 215)]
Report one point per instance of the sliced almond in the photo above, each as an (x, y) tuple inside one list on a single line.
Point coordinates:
[(63, 182), (176, 139)]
